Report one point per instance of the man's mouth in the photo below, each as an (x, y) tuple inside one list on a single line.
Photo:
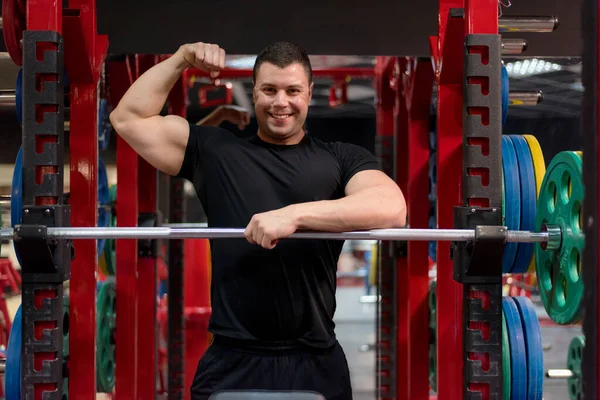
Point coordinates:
[(280, 116)]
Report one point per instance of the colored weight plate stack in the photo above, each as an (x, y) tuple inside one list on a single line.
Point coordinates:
[(523, 357), (105, 335), (522, 170), (12, 375), (432, 336), (559, 271)]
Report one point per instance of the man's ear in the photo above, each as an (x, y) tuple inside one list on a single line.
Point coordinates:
[(310, 90)]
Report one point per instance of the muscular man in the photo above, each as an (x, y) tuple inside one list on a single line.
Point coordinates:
[(273, 300)]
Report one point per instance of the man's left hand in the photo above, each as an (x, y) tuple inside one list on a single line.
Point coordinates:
[(265, 229)]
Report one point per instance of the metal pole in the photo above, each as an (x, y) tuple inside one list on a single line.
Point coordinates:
[(525, 98), (233, 233), (527, 24), (513, 46)]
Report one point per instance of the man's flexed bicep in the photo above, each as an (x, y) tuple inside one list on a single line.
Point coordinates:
[(160, 140)]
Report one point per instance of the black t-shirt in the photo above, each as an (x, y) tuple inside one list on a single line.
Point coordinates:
[(284, 294)]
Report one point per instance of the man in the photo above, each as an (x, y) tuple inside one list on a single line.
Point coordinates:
[(273, 300)]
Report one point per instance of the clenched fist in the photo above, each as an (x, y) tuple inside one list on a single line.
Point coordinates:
[(205, 56), (265, 229)]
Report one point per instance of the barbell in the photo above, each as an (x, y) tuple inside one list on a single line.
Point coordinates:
[(550, 237)]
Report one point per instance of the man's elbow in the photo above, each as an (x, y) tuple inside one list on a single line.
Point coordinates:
[(399, 215)]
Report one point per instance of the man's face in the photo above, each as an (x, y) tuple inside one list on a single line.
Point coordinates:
[(281, 100)]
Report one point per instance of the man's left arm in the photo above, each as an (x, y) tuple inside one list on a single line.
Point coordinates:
[(372, 201)]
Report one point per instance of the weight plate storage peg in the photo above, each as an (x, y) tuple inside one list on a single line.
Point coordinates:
[(12, 375), (518, 357), (533, 347), (559, 270), (574, 359), (105, 331)]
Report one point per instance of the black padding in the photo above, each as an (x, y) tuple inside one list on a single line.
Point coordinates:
[(265, 395)]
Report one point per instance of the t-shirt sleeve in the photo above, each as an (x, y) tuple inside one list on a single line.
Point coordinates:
[(354, 159), (200, 140)]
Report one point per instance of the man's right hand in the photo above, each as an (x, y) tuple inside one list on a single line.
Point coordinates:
[(205, 56)]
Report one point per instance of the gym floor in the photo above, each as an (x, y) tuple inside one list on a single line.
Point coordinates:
[(356, 327)]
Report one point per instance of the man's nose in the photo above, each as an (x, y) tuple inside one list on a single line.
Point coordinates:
[(281, 98)]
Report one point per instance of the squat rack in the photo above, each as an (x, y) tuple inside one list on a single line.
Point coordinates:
[(402, 127)]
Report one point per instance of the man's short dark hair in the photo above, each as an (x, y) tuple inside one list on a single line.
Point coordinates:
[(283, 54)]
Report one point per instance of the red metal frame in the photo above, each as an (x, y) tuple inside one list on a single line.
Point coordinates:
[(85, 51), (146, 280), (126, 383), (418, 85), (449, 65)]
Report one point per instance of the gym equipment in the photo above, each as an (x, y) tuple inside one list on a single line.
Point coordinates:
[(528, 201), (559, 209), (573, 372), (104, 209), (533, 347), (12, 377), (19, 96), (527, 24), (505, 94), (238, 233), (539, 167), (104, 125), (432, 336), (506, 377), (13, 25), (105, 330), (512, 199), (518, 358)]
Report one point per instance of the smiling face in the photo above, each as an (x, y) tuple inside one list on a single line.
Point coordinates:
[(281, 100)]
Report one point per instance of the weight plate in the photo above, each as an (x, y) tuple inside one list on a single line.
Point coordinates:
[(533, 347), (539, 169), (105, 330), (503, 199), (512, 198), (432, 336), (104, 126), (12, 375), (16, 195), (13, 25), (19, 96), (518, 353), (528, 202), (103, 202), (110, 248), (574, 358), (505, 92), (505, 361), (559, 271)]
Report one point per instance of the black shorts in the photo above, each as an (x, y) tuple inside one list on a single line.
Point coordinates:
[(230, 365)]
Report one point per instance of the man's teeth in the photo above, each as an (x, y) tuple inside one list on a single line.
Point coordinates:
[(280, 116)]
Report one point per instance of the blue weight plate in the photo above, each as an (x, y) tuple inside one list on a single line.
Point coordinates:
[(518, 352), (103, 201), (512, 194), (19, 96), (505, 91), (528, 202), (533, 347), (16, 195), (104, 126), (12, 376)]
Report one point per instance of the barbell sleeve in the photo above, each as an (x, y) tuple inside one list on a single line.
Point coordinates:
[(232, 233), (541, 24)]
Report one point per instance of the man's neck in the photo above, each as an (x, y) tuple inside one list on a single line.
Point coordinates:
[(290, 140)]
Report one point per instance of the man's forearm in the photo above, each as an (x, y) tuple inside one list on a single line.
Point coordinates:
[(372, 208), (148, 94)]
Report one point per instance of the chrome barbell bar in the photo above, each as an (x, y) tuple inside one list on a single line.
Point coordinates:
[(233, 233)]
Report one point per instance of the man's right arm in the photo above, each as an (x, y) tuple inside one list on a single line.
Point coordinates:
[(162, 140)]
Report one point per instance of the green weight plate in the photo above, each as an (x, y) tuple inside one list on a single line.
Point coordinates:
[(558, 271), (105, 331), (505, 361), (575, 384), (432, 337)]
